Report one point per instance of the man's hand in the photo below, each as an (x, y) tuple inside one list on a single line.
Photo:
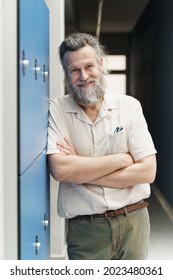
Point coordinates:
[(66, 148)]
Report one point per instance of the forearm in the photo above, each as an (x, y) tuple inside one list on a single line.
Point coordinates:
[(137, 173), (79, 169)]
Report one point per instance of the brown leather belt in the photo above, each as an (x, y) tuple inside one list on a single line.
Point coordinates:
[(122, 211)]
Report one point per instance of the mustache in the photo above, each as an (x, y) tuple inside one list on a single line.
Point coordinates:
[(88, 81)]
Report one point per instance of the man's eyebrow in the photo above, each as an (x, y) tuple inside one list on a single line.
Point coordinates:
[(75, 66), (72, 67)]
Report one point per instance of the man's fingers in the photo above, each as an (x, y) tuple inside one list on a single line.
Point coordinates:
[(67, 140), (63, 149)]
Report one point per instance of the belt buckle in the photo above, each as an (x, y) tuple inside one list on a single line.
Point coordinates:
[(125, 211), (115, 214)]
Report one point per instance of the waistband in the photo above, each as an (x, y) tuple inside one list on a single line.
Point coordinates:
[(115, 213)]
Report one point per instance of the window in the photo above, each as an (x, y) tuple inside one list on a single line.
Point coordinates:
[(116, 79)]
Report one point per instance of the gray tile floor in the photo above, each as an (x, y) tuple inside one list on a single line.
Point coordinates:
[(161, 240)]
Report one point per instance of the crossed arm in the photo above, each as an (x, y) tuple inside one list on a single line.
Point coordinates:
[(112, 171)]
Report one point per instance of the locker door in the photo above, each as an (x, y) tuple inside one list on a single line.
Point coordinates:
[(33, 86), (33, 118), (41, 53), (34, 211), (26, 85)]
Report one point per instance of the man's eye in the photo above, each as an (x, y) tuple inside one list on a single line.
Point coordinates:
[(74, 70), (90, 66)]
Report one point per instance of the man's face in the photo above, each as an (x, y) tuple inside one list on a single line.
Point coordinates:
[(84, 76)]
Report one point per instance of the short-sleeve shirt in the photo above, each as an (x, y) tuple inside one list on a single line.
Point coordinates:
[(120, 127)]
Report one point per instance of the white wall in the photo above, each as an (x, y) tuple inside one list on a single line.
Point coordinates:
[(8, 126), (58, 243), (1, 142)]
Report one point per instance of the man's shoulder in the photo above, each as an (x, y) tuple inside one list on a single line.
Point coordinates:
[(64, 103), (125, 97), (121, 99), (60, 100)]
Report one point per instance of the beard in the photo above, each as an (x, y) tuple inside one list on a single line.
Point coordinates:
[(87, 97)]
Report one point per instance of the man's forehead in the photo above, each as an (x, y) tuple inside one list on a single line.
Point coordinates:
[(85, 52), (82, 56)]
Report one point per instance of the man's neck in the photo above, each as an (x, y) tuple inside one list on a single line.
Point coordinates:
[(92, 111)]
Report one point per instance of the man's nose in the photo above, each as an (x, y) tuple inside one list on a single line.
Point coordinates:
[(83, 75)]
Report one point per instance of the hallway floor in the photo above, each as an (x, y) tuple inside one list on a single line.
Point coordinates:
[(161, 240)]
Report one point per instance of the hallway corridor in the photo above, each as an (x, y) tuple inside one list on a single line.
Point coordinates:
[(161, 241)]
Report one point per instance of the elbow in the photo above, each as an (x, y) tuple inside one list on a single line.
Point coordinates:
[(58, 176), (146, 178), (57, 167), (151, 178), (151, 175), (61, 174), (149, 171)]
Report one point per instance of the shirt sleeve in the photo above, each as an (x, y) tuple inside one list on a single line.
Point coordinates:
[(56, 126), (140, 140)]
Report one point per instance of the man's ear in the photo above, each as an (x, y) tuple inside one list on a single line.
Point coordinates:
[(101, 61), (102, 65)]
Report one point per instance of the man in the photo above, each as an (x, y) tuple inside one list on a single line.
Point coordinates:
[(100, 150)]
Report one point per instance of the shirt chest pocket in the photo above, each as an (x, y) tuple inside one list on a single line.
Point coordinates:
[(117, 142)]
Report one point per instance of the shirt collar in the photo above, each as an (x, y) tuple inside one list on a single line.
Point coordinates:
[(108, 103)]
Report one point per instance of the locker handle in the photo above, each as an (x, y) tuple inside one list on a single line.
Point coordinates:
[(25, 63), (37, 69), (45, 222), (45, 73), (37, 245)]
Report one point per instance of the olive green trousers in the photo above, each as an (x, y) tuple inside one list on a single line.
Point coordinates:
[(125, 237)]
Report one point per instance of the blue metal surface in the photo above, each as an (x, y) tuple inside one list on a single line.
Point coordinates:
[(34, 205), (33, 118), (34, 41)]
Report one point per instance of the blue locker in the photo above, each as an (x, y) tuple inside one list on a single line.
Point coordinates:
[(33, 83), (33, 99), (34, 212), (41, 53)]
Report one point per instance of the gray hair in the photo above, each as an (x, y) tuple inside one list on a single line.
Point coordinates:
[(76, 41)]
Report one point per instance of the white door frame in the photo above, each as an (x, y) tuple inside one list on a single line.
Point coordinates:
[(8, 135)]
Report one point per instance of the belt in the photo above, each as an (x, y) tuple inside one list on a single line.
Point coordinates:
[(121, 211)]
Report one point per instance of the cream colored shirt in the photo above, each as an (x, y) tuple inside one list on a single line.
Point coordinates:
[(120, 127)]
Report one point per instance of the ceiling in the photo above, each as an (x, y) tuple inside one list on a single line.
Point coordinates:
[(117, 16)]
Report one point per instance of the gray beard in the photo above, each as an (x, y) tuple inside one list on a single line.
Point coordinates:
[(87, 98)]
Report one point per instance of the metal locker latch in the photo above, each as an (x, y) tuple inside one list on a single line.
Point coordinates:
[(37, 69), (37, 245), (25, 63), (45, 222), (45, 73)]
